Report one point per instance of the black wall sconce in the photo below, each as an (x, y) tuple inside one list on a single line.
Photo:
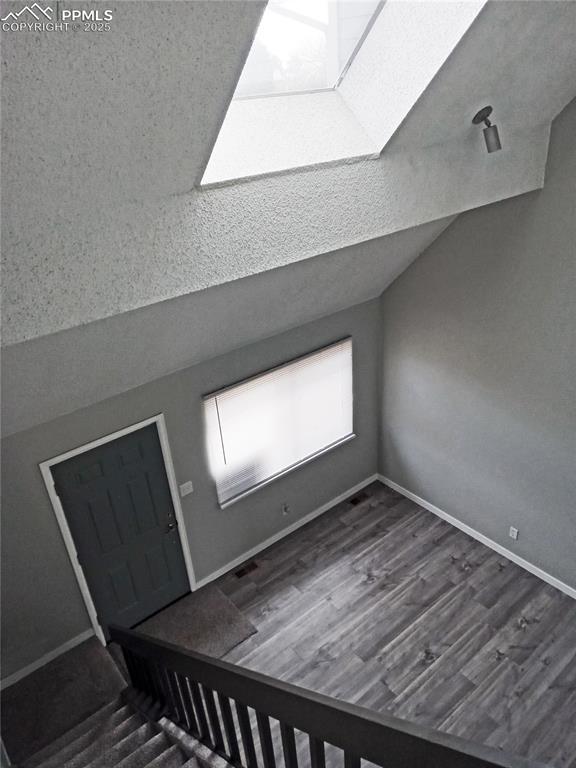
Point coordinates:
[(491, 136)]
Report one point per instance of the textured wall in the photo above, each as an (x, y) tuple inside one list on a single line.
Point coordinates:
[(42, 607), (479, 368)]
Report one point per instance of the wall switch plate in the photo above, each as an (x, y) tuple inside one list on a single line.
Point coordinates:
[(186, 488), (513, 532)]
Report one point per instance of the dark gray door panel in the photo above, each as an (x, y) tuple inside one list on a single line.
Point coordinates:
[(118, 505)]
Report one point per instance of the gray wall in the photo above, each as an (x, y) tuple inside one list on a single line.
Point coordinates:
[(42, 606), (478, 411), (479, 368)]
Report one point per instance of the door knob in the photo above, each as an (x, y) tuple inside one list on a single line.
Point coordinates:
[(170, 527)]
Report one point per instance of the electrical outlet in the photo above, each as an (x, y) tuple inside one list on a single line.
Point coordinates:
[(285, 509), (186, 488), (513, 532)]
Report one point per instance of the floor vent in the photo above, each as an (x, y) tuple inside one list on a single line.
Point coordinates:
[(246, 569), (359, 498)]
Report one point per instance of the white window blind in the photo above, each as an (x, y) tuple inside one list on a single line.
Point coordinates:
[(269, 424)]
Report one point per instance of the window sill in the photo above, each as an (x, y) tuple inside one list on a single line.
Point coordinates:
[(286, 471)]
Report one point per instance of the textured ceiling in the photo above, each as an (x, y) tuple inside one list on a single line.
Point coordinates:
[(57, 374), (74, 262), (105, 134), (104, 236), (126, 114)]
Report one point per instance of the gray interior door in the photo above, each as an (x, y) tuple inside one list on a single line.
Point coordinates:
[(117, 501)]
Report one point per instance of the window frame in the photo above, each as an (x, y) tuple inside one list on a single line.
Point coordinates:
[(302, 462), (268, 94)]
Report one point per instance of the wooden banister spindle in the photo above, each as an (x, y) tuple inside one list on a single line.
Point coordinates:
[(289, 746), (149, 680), (213, 719), (246, 733), (266, 742), (351, 761), (159, 681), (317, 753), (176, 685), (170, 697), (157, 688), (200, 713), (143, 678), (179, 703), (233, 750), (188, 705), (130, 666)]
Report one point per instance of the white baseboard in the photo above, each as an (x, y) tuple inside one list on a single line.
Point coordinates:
[(548, 578), (284, 532), (16, 676), (43, 660)]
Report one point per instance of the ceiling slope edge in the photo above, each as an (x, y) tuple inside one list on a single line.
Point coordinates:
[(57, 374), (187, 243)]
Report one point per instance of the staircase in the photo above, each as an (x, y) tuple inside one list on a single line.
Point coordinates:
[(185, 709), (116, 736), (248, 720)]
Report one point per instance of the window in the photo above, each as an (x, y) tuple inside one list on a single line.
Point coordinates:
[(304, 45), (267, 425)]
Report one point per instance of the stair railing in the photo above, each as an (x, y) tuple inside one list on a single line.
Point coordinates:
[(235, 712)]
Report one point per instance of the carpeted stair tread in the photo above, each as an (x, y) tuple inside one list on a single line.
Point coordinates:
[(118, 736), (203, 756), (123, 748), (89, 725), (173, 758), (94, 743), (206, 621), (145, 754), (105, 742), (57, 697)]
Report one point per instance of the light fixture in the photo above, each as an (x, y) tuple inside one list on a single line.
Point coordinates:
[(491, 136)]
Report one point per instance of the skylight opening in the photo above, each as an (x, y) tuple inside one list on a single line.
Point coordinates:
[(305, 45)]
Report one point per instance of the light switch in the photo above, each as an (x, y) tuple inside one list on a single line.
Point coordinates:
[(186, 488)]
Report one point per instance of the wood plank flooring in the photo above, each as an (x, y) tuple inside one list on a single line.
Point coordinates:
[(383, 604)]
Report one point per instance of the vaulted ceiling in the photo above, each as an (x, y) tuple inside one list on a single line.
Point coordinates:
[(107, 238)]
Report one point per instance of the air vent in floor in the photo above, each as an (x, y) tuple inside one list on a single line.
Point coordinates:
[(359, 498), (246, 569)]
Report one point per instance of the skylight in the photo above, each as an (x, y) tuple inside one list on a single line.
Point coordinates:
[(304, 45), (340, 83)]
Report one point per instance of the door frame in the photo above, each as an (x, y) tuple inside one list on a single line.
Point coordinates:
[(46, 471)]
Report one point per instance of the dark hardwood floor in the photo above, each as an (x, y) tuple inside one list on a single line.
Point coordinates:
[(383, 604)]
